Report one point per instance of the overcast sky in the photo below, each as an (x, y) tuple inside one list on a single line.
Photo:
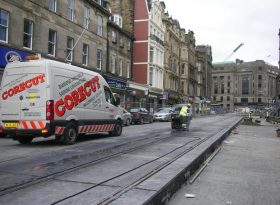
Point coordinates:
[(224, 24)]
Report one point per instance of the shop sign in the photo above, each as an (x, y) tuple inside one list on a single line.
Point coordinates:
[(8, 55), (117, 84)]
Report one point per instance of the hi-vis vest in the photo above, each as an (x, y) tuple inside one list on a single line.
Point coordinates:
[(183, 111)]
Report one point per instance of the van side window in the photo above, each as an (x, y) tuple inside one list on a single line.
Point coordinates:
[(109, 96)]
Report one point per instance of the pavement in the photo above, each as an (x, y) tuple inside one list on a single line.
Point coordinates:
[(246, 171)]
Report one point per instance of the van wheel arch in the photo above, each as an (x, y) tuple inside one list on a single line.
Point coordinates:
[(117, 129)]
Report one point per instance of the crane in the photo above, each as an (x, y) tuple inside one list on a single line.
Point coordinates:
[(241, 44)]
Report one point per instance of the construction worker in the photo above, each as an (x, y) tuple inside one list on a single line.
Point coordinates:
[(185, 116), (250, 115)]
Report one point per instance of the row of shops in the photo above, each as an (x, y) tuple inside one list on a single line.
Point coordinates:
[(132, 94)]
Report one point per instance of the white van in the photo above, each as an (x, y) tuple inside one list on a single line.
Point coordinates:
[(42, 97)]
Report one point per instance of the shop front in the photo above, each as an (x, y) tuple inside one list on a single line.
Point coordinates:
[(8, 55), (154, 99), (137, 95)]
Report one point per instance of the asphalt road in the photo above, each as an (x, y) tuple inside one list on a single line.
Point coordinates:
[(97, 167)]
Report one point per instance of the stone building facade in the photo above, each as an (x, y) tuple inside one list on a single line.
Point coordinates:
[(119, 50), (73, 31), (241, 83), (173, 39), (204, 70), (148, 51), (192, 69)]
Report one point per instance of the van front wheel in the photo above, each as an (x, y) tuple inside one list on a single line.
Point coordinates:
[(70, 134), (117, 129), (25, 139)]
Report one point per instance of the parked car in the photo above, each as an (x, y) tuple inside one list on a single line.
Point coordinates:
[(163, 114), (126, 117), (141, 115)]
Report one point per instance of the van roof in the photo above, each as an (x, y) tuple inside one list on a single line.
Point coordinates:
[(51, 63)]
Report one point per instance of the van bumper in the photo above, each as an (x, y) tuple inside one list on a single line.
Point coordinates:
[(14, 133)]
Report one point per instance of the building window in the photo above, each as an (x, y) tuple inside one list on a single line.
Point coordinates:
[(52, 5), (114, 37), (113, 64), (244, 100), (117, 19), (245, 85), (151, 74), (222, 98), (52, 42), (228, 98), (99, 25), (222, 88), (99, 59), (70, 10), (128, 70), (228, 84), (183, 69), (121, 67), (121, 42), (4, 22), (85, 54), (86, 17), (69, 53), (215, 88), (259, 100), (27, 33), (151, 54), (129, 46), (100, 2), (221, 78)]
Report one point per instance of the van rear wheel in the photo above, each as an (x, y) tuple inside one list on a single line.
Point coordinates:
[(25, 139), (70, 134)]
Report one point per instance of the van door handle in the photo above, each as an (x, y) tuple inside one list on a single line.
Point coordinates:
[(25, 109)]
